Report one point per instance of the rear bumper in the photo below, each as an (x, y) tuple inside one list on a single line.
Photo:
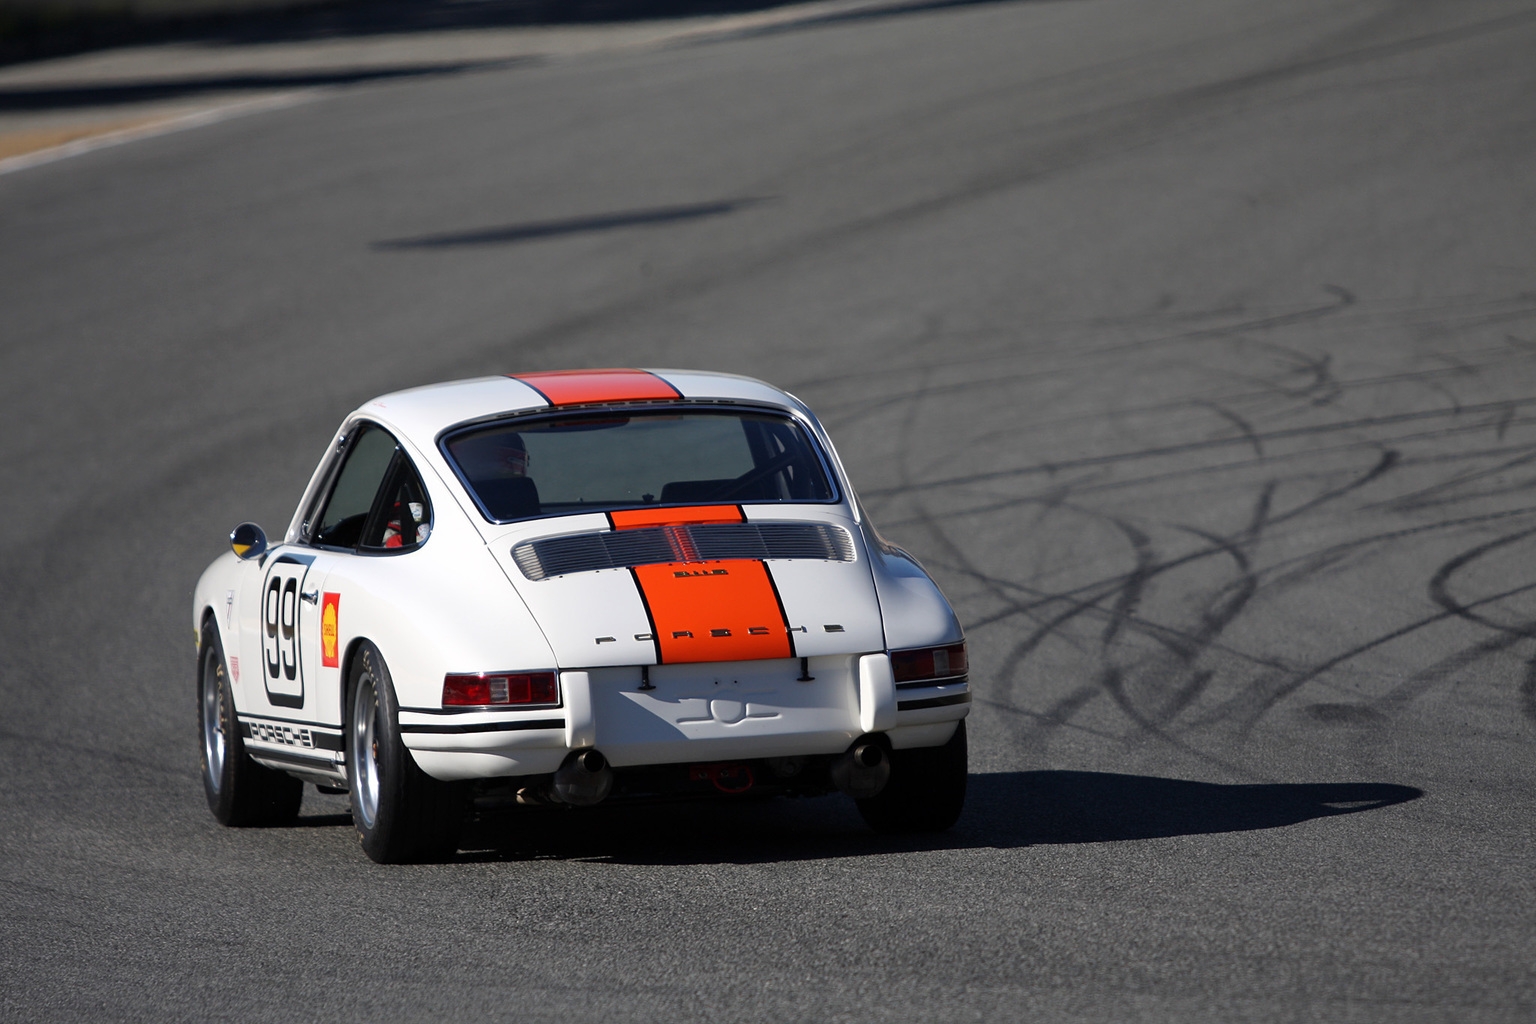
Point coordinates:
[(679, 714)]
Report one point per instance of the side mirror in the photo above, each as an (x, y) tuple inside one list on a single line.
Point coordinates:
[(248, 541)]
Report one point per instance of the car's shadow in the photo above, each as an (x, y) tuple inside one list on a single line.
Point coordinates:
[(1003, 810)]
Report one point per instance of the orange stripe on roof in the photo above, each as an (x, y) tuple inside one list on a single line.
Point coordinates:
[(630, 519), (714, 611), (577, 387)]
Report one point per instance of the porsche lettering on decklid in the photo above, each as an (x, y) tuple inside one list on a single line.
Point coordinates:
[(727, 610)]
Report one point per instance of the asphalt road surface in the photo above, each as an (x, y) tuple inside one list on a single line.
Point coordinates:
[(1190, 343)]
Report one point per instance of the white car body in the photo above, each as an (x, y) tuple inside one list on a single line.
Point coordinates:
[(648, 674)]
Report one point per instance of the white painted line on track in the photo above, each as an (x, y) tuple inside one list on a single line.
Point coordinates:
[(165, 126), (690, 33)]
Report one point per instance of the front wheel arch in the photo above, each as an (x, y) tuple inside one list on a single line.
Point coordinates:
[(239, 791), (344, 692)]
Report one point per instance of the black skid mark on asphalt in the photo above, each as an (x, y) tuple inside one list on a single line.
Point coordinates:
[(1282, 688), (1101, 481), (1064, 710), (1114, 352), (1323, 389), (1448, 668), (1341, 713), (863, 408), (1007, 342), (1196, 683), (1172, 691), (1187, 447), (1390, 458), (1259, 324), (1528, 690), (1449, 491), (1457, 368), (1134, 584), (1127, 592), (999, 589), (1176, 690), (1439, 584), (1089, 598), (1226, 604), (1033, 729), (1112, 680), (1228, 601), (1506, 634), (1501, 427), (1243, 426)]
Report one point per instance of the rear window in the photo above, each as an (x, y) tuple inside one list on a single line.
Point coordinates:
[(596, 462)]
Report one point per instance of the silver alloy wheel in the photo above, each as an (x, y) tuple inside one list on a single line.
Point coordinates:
[(213, 719), (365, 751)]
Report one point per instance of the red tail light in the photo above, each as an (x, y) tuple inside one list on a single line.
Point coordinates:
[(495, 689), (923, 663)]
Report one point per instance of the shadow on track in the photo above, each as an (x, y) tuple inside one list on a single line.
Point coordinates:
[(65, 97), (511, 233), (1004, 810)]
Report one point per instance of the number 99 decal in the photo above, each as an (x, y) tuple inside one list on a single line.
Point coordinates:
[(280, 640), (282, 645)]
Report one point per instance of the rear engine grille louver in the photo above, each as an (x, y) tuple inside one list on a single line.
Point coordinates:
[(620, 549)]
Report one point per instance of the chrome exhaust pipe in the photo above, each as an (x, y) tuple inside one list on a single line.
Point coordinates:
[(583, 780), (862, 771)]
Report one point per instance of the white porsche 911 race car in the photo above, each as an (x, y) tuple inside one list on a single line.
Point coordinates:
[(568, 587)]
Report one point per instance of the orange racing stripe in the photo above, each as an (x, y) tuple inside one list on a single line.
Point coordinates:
[(725, 610), (633, 518), (577, 387)]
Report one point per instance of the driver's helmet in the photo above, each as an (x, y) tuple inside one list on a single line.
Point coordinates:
[(493, 456)]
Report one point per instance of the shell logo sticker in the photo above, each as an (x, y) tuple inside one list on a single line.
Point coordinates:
[(329, 613)]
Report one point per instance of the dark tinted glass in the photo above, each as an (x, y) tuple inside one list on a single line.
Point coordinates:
[(405, 518), (592, 462), (358, 483)]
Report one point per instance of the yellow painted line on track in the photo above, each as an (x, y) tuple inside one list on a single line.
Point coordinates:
[(24, 146), (22, 143)]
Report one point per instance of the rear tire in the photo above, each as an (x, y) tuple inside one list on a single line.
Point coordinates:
[(926, 792), (240, 792), (401, 813)]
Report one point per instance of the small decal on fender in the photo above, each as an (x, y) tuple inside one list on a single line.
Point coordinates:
[(330, 613)]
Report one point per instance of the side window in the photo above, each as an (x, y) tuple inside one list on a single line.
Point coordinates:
[(357, 485), (404, 518)]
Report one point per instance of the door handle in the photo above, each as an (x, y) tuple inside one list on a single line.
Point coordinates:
[(310, 596)]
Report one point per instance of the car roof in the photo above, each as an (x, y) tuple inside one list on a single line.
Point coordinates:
[(422, 413)]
